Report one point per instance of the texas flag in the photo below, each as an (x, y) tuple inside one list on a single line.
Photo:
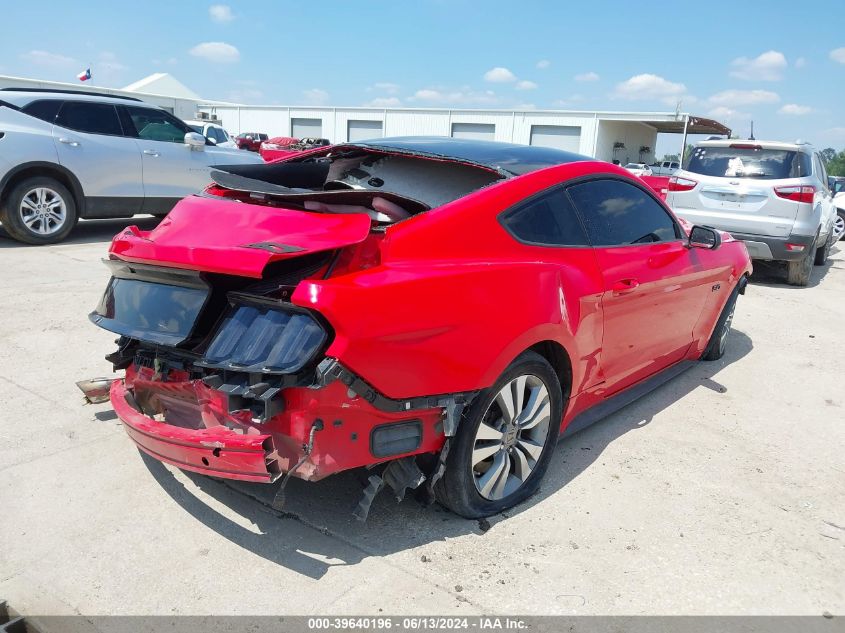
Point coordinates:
[(85, 75)]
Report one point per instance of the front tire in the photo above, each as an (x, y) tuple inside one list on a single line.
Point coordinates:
[(39, 210), (718, 342), (505, 441)]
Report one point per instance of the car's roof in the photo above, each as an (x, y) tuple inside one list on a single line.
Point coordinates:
[(21, 98), (763, 144), (506, 158)]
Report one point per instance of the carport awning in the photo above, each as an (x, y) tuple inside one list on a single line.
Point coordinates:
[(697, 125)]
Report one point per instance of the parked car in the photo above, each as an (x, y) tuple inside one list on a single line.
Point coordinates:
[(665, 168), (213, 132), (271, 150), (837, 186), (437, 309), (639, 169), (250, 140), (276, 147), (66, 155), (773, 196), (660, 184)]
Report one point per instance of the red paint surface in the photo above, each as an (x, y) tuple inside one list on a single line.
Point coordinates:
[(440, 303)]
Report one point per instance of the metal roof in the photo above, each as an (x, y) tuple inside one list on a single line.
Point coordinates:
[(506, 158)]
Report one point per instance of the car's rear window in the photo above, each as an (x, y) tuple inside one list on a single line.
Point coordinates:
[(749, 162)]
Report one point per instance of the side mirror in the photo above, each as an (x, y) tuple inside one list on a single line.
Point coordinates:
[(704, 237), (194, 140)]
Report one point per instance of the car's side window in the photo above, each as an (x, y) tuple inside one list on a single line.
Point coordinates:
[(157, 125), (546, 220), (822, 171), (91, 118), (44, 109), (617, 213)]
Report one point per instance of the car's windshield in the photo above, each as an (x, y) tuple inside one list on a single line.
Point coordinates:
[(196, 128), (751, 161), (634, 166)]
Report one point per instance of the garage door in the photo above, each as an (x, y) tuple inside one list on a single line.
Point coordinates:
[(558, 136), (477, 131), (362, 130), (305, 128)]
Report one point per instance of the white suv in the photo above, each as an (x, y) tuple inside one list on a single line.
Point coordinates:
[(773, 196), (71, 155), (213, 132)]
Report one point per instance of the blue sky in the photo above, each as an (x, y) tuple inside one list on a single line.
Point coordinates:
[(780, 63)]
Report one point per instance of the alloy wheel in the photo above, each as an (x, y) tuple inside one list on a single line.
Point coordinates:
[(43, 211), (838, 227), (511, 437), (726, 329)]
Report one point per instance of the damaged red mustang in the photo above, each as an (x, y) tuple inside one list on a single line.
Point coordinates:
[(437, 310)]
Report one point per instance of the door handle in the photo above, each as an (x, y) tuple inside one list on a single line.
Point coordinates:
[(624, 286), (151, 152), (69, 141)]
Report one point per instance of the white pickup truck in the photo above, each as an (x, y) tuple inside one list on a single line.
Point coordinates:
[(665, 168)]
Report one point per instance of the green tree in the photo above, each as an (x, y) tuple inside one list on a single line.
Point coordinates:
[(828, 154), (836, 165)]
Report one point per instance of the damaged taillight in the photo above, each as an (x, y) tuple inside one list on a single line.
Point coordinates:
[(265, 338)]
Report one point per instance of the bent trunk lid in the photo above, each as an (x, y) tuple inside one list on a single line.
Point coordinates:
[(235, 238)]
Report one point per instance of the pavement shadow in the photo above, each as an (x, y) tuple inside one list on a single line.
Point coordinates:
[(773, 274), (325, 506), (89, 231)]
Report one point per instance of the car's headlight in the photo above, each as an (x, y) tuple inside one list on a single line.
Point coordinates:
[(265, 338)]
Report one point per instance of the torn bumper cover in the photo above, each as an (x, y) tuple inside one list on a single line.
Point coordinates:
[(215, 450), (191, 425)]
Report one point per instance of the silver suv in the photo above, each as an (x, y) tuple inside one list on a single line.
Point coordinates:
[(71, 155), (773, 196)]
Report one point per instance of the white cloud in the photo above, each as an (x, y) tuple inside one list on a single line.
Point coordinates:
[(525, 106), (838, 55), (590, 76), (499, 75), (219, 52), (384, 102), (109, 61), (464, 96), (221, 13), (647, 87), (315, 96), (725, 113), (385, 86), (794, 108), (246, 95), (768, 66), (800, 62), (44, 58), (526, 85), (543, 63), (744, 97)]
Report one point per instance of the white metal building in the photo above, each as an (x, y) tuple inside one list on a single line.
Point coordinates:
[(623, 136)]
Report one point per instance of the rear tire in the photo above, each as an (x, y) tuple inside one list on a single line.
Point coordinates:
[(798, 272), (504, 442), (718, 342), (822, 253), (38, 211)]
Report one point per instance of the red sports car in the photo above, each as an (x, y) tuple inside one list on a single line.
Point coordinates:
[(286, 147), (250, 140), (438, 310)]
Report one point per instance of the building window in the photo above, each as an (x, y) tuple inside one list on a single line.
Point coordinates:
[(476, 131), (363, 130)]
